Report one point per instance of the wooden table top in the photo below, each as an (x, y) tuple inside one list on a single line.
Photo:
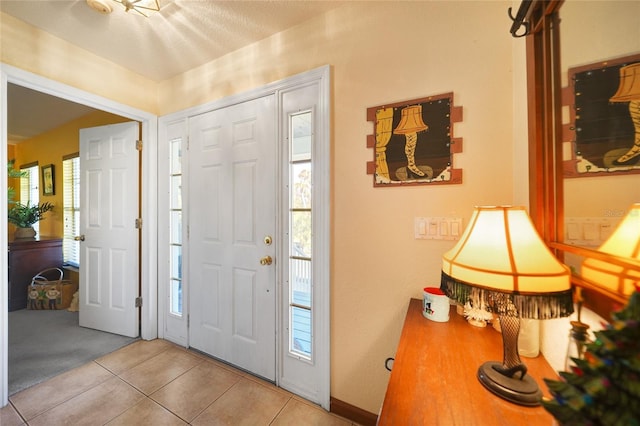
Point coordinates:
[(433, 379)]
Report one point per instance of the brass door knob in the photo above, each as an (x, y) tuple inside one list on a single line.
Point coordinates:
[(79, 238), (267, 260)]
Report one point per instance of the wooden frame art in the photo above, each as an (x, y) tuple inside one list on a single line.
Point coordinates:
[(603, 137), (413, 143), (48, 180)]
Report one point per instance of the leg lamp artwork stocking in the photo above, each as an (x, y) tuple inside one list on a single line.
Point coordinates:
[(629, 91)]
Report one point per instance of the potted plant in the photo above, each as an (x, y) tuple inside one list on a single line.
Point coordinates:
[(24, 216)]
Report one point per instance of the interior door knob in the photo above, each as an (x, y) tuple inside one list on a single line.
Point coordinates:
[(79, 238), (267, 260)]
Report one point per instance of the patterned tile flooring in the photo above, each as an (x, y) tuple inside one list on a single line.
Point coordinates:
[(158, 383)]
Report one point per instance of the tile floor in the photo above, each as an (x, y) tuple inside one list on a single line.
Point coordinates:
[(159, 383)]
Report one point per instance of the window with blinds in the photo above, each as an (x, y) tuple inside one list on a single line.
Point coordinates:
[(29, 189), (71, 209)]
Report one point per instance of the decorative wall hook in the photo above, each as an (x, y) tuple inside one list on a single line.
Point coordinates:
[(520, 20)]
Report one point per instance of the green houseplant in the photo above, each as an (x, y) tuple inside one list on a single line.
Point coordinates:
[(12, 174), (25, 216)]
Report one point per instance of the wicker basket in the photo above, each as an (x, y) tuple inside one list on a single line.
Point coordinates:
[(49, 291)]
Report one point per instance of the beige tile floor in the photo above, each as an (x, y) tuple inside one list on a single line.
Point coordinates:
[(159, 383)]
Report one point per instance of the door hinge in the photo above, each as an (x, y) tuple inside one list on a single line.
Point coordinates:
[(138, 302), (188, 320), (138, 223), (139, 145)]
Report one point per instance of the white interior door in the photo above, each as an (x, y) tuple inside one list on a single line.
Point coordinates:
[(109, 247), (232, 216)]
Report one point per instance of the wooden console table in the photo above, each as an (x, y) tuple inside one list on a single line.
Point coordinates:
[(433, 379), (26, 258)]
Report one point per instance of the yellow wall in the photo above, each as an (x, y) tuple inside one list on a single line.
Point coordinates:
[(49, 148)]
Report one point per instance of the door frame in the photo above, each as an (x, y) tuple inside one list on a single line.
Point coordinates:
[(149, 259), (179, 121)]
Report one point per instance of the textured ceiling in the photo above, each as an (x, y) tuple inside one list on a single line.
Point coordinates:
[(182, 36)]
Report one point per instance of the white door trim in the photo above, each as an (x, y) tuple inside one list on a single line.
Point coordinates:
[(320, 76), (149, 259)]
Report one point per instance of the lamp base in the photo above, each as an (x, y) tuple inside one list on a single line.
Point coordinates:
[(523, 391)]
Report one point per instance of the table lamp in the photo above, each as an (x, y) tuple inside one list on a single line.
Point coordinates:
[(624, 242), (501, 262)]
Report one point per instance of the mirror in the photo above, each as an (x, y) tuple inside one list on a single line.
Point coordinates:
[(566, 36), (594, 35)]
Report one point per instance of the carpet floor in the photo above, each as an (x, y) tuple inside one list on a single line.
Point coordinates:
[(43, 344)]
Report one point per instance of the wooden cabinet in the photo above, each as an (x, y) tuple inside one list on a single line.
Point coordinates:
[(433, 379), (27, 258)]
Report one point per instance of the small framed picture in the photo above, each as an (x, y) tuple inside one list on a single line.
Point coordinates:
[(48, 182)]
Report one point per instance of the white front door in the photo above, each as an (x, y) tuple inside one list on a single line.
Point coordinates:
[(232, 228), (109, 247)]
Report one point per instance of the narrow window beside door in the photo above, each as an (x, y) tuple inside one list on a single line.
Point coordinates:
[(71, 209), (300, 257), (175, 243)]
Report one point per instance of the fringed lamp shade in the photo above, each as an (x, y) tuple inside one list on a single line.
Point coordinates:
[(502, 265), (501, 252), (624, 242)]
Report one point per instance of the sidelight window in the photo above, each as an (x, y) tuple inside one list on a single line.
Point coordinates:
[(175, 241), (300, 241)]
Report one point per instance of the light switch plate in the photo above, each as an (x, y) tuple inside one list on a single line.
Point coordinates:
[(588, 231), (437, 228)]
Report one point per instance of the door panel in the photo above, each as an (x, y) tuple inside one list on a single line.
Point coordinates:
[(232, 156), (109, 163)]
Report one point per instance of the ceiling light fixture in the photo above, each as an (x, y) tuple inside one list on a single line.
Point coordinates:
[(100, 6), (140, 6)]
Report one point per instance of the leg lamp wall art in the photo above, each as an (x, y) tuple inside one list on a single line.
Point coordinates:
[(604, 105), (413, 143)]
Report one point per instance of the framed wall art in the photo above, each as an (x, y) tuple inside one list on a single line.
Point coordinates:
[(48, 180), (413, 142), (603, 135)]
